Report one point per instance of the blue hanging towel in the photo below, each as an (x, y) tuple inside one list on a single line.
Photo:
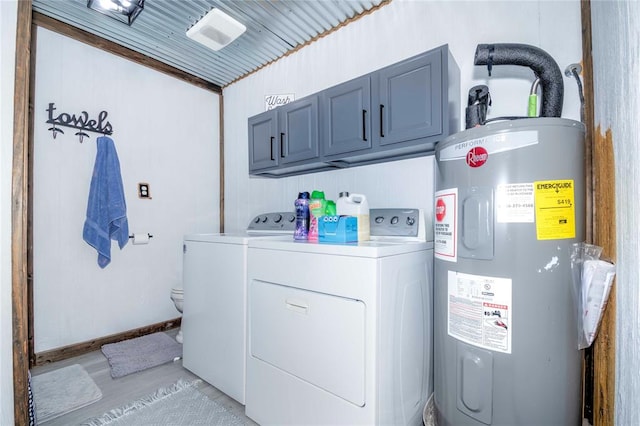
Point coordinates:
[(106, 209)]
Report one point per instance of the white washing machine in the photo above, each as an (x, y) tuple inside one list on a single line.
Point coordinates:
[(341, 334), (215, 294)]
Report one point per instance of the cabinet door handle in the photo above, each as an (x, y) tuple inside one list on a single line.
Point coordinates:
[(271, 148), (364, 125), (381, 121), (282, 145)]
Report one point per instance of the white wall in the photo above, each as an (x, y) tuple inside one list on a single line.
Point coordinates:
[(8, 13), (616, 69), (395, 32), (166, 133)]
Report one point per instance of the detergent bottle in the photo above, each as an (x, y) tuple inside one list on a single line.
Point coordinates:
[(316, 210), (341, 205), (302, 216), (358, 206), (330, 208)]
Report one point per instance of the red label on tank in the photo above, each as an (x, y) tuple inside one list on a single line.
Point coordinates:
[(477, 156), (441, 209)]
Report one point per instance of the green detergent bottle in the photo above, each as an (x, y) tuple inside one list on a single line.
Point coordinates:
[(316, 210)]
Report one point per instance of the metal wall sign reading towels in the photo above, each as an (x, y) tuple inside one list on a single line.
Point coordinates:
[(80, 121)]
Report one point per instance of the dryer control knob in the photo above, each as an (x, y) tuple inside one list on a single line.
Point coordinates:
[(277, 218), (394, 220)]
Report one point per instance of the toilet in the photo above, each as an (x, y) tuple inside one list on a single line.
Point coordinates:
[(177, 297)]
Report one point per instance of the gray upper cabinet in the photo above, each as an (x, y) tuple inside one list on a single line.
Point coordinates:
[(263, 129), (409, 100), (298, 130), (400, 111), (283, 136), (346, 117)]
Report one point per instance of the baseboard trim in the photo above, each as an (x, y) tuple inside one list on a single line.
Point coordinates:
[(76, 349)]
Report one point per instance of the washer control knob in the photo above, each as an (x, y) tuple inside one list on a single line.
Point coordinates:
[(394, 220), (277, 218), (411, 220), (291, 218), (257, 219), (379, 219), (264, 219)]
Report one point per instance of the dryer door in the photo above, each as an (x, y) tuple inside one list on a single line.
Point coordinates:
[(317, 337)]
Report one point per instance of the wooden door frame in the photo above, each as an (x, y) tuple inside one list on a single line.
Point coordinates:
[(20, 214), (600, 358), (600, 170)]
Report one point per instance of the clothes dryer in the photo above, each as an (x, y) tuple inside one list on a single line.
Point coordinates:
[(342, 333)]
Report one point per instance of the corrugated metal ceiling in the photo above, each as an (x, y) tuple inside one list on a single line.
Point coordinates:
[(274, 27)]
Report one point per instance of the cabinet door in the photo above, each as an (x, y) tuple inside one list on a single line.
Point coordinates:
[(262, 141), (347, 117), (410, 100), (298, 130)]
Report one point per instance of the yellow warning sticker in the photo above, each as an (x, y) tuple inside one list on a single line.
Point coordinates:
[(555, 209)]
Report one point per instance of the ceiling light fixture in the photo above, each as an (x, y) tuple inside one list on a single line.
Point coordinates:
[(216, 30), (125, 11)]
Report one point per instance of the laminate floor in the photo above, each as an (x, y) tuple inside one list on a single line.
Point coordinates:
[(119, 392)]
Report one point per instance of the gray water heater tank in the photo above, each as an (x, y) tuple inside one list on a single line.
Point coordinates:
[(510, 201)]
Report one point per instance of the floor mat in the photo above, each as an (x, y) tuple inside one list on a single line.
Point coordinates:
[(179, 405), (133, 355), (61, 391)]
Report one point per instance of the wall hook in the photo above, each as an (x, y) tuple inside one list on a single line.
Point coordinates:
[(79, 121), (55, 131), (81, 136)]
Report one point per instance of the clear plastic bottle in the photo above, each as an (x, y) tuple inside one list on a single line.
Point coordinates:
[(341, 204), (302, 217), (358, 206)]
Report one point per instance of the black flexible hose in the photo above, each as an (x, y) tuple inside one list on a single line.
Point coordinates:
[(543, 65)]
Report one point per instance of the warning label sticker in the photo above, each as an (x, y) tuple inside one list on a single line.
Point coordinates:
[(515, 203), (479, 310), (555, 209), (445, 226)]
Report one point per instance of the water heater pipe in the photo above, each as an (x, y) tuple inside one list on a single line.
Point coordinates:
[(543, 65)]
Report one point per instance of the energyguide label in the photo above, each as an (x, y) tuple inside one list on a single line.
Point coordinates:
[(555, 209)]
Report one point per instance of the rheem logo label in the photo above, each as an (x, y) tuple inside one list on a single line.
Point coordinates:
[(477, 156)]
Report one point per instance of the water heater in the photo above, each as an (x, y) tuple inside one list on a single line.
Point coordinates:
[(510, 200)]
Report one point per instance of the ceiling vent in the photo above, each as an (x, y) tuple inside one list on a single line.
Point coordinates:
[(216, 30)]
